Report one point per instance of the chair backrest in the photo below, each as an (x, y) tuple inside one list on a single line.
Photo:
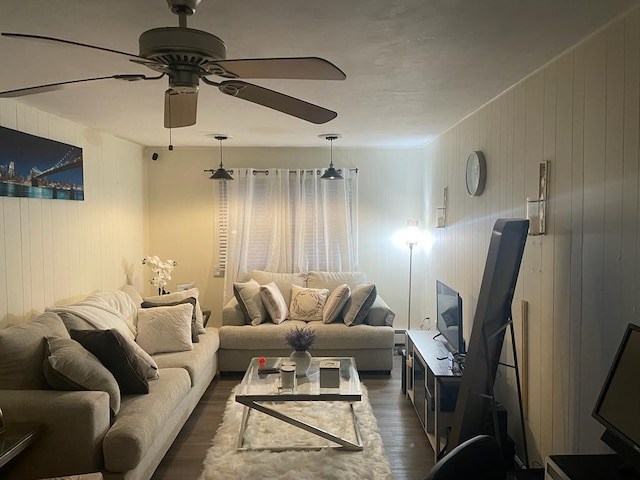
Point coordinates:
[(479, 458)]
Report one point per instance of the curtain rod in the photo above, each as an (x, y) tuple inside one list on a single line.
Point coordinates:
[(317, 172)]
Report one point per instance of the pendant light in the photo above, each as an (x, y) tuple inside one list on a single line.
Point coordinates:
[(331, 173), (220, 173)]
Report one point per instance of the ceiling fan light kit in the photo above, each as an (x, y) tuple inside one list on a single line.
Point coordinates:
[(187, 55)]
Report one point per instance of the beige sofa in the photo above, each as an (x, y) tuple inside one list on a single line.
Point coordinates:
[(370, 342), (80, 433)]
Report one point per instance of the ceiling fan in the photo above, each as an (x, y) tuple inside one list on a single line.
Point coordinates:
[(186, 56)]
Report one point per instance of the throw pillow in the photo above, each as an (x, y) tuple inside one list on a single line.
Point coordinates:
[(358, 305), (248, 296), (22, 352), (282, 280), (117, 353), (165, 329), (307, 303), (335, 303), (380, 314), (194, 323), (69, 366), (274, 302), (75, 322), (175, 296)]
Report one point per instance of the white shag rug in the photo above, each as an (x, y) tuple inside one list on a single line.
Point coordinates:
[(223, 461)]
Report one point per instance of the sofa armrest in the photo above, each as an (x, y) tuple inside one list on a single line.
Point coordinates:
[(232, 313), (74, 424), (380, 314)]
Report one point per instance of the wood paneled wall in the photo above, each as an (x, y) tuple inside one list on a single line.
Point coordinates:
[(580, 281), (56, 251)]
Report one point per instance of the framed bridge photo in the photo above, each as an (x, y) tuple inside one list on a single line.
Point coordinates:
[(37, 167)]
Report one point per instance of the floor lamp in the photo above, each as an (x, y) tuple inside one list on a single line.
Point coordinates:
[(412, 241)]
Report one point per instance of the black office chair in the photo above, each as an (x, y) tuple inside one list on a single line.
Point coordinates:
[(479, 458)]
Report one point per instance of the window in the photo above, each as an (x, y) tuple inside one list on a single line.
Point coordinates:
[(287, 221)]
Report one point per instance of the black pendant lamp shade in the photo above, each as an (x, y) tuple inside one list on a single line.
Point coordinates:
[(331, 173), (220, 173)]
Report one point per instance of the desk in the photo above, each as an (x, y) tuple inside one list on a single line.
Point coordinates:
[(16, 438), (432, 384), (585, 467)]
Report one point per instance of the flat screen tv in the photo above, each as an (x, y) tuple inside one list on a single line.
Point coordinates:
[(449, 317), (618, 406)]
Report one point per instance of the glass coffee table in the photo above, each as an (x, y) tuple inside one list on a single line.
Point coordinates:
[(261, 391)]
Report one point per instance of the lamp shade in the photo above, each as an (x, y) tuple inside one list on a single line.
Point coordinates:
[(221, 174), (332, 174)]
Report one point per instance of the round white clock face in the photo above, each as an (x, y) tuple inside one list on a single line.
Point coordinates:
[(476, 174)]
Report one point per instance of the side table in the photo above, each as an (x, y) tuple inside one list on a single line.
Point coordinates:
[(16, 438)]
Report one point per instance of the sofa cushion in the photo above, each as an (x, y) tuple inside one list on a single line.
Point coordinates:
[(307, 303), (117, 353), (176, 296), (165, 329), (195, 338), (248, 296), (266, 336), (358, 305), (195, 361), (274, 302), (332, 336), (338, 336), (331, 280), (335, 303), (69, 366), (284, 281), (22, 350), (140, 419)]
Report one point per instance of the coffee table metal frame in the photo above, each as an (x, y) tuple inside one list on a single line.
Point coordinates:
[(258, 388)]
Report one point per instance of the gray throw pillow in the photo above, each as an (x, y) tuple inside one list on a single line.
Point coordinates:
[(69, 366), (248, 296), (358, 305)]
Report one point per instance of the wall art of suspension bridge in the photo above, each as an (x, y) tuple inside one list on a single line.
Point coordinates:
[(37, 167)]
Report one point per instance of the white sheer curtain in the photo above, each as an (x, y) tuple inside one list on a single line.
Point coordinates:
[(284, 220)]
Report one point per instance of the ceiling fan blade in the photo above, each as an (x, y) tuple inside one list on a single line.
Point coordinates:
[(305, 68), (68, 42), (278, 101), (50, 87), (180, 109)]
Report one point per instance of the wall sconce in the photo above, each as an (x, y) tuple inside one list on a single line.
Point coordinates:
[(441, 212), (537, 207)]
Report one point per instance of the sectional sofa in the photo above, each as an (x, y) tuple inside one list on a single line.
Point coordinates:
[(122, 435), (359, 326)]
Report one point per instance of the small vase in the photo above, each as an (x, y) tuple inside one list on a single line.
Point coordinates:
[(302, 359)]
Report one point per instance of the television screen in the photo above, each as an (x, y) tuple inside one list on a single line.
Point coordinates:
[(618, 406), (449, 316)]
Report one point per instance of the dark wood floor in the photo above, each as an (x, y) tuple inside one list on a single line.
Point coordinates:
[(406, 445)]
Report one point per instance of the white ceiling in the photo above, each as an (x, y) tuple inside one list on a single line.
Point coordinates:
[(414, 67)]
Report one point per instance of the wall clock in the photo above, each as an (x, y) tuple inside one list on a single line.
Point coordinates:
[(476, 174)]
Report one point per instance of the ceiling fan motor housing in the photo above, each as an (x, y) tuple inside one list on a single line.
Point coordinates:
[(184, 48), (183, 6)]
